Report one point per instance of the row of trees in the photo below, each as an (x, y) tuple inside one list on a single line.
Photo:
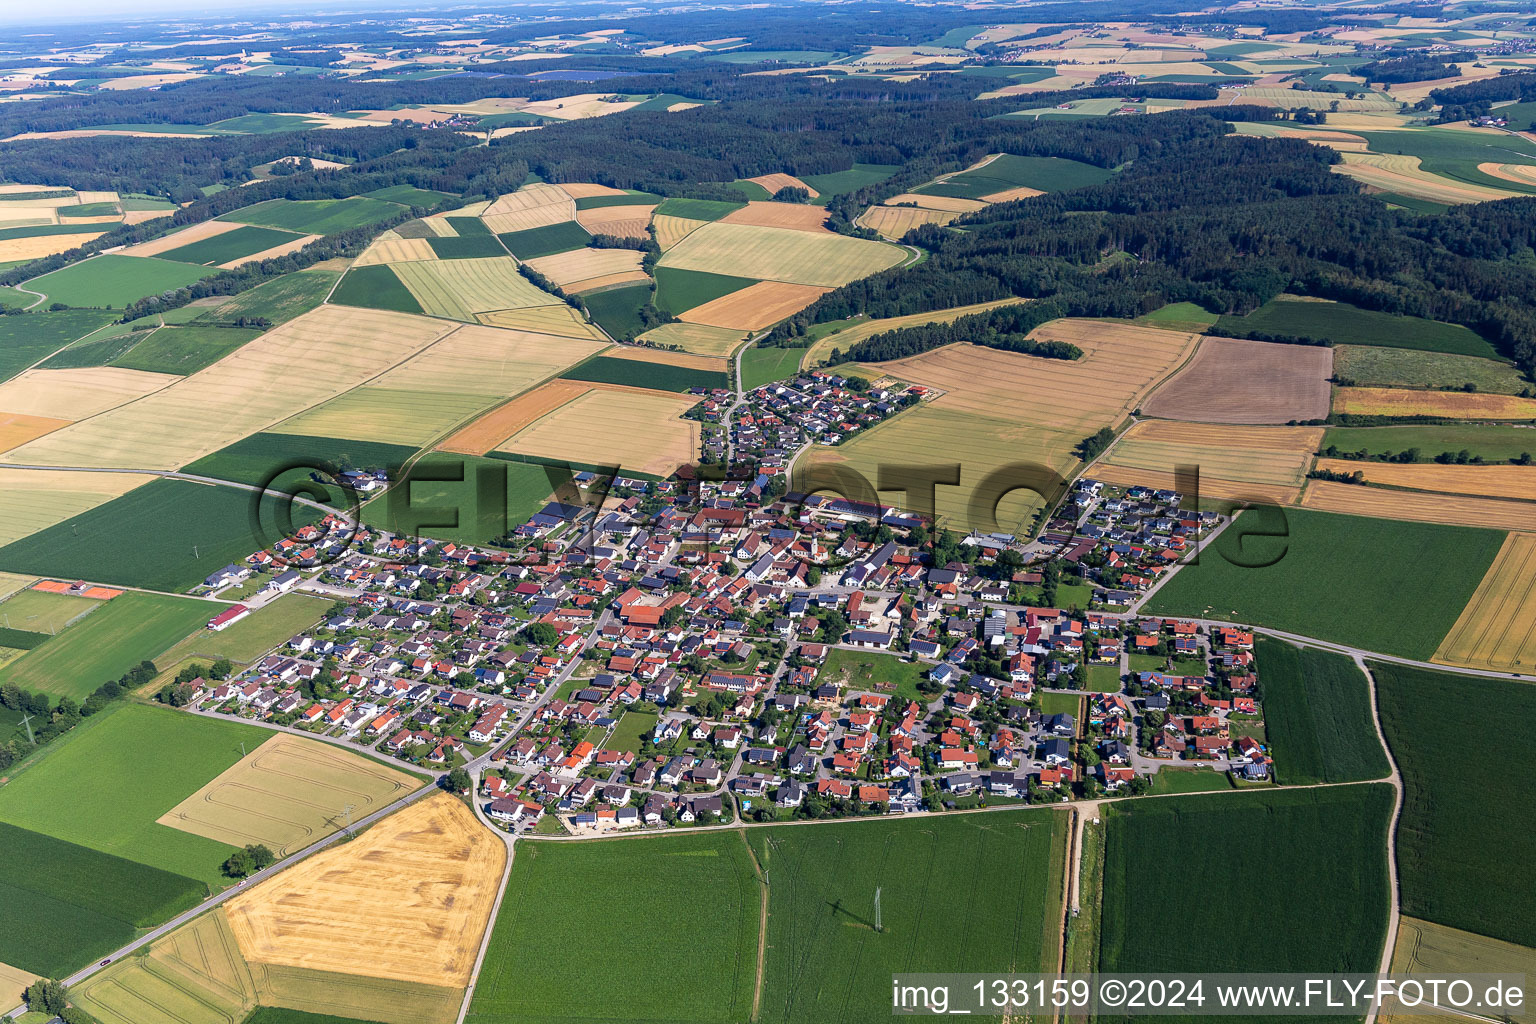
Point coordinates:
[(1006, 328), (51, 721)]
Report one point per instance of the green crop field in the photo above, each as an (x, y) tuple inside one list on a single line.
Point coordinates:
[(1179, 316), (315, 216), (375, 287), (468, 227), (114, 281), (1467, 839), (100, 347), (573, 912), (632, 728), (617, 310), (257, 633), (641, 374), (627, 199), (26, 339), (126, 630), (1456, 154), (866, 670), (43, 230), (1492, 442), (231, 245), (1046, 173), (184, 350), (466, 247), (750, 190), (1372, 366), (1319, 854), (164, 535), (254, 459), (1344, 324), (678, 291), (140, 761), (283, 1015), (1317, 712), (279, 300), (63, 905), (968, 893), (761, 366), (408, 195), (453, 509), (545, 241), (842, 182), (1348, 579), (696, 209)]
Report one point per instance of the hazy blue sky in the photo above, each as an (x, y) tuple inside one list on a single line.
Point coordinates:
[(75, 11)]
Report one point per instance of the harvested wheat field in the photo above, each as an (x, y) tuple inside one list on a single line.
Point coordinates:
[(569, 269), (848, 336), (490, 430), (1484, 481), (949, 204), (286, 249), (696, 338), (637, 430), (533, 206), (19, 428), (1520, 174), (623, 221), (248, 390), (640, 354), (1395, 172), (796, 216), (38, 246), (288, 793), (608, 281), (1008, 195), (755, 306), (13, 983), (773, 182), (572, 108), (35, 499), (77, 393), (671, 230), (409, 416), (561, 320), (1431, 950), (588, 190), (395, 250), (1419, 506), (781, 254), (459, 289), (1497, 629), (1450, 404), (895, 221), (1232, 381), (1252, 462), (408, 899), (186, 236)]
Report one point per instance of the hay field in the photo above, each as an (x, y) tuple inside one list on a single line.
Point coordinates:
[(846, 337), (781, 254), (636, 429), (490, 430), (1396, 172), (1437, 951), (408, 899), (458, 289), (624, 221), (588, 189), (12, 582), (16, 249), (533, 206), (13, 983), (288, 793), (194, 975), (671, 230), (78, 393), (1008, 195), (1450, 404), (571, 269), (755, 306), (19, 428), (949, 204), (196, 233), (248, 390), (1419, 506), (638, 354), (34, 499), (1497, 628), (1485, 481), (696, 338), (572, 108), (895, 221), (1253, 462), (773, 182), (285, 249), (1231, 381), (561, 320), (1001, 408), (1520, 174), (395, 250), (796, 216)]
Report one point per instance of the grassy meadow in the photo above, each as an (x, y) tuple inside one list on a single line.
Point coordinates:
[(1344, 324), (114, 281), (643, 374)]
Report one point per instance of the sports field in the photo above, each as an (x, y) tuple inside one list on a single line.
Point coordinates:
[(1344, 578), (316, 216), (288, 793), (38, 611), (408, 899), (1375, 366), (1343, 324), (1317, 716), (1467, 828), (754, 307), (130, 788), (627, 427), (570, 907), (781, 254), (1231, 381), (106, 643), (1497, 628), (1450, 404), (247, 391), (1325, 852), (34, 500), (1419, 506), (458, 289), (1246, 462), (114, 280)]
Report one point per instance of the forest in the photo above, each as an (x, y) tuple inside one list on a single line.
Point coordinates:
[(1464, 102)]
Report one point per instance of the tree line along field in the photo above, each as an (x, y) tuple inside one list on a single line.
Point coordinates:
[(1343, 324), (228, 246), (1008, 171), (1468, 825), (1268, 861), (1376, 366), (280, 299), (1318, 718), (1348, 579), (1492, 442)]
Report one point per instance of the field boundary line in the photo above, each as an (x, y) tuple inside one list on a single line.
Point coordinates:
[(1394, 910), (501, 891), (762, 925)]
